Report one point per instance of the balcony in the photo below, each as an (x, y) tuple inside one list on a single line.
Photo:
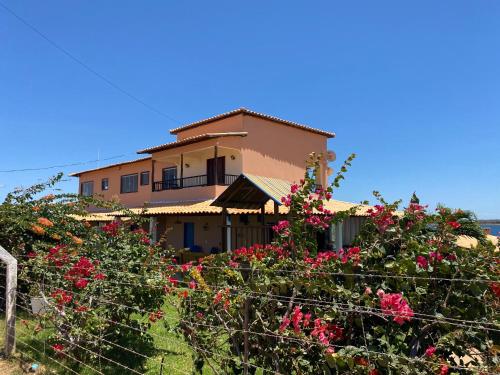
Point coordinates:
[(193, 181)]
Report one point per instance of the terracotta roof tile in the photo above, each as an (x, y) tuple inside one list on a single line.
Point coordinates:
[(76, 174), (189, 140), (255, 114)]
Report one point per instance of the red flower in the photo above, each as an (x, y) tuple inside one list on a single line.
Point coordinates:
[(31, 254), (61, 297), (111, 229), (495, 288), (218, 297), (294, 188), (99, 276), (81, 309), (173, 280), (58, 347), (451, 257), (83, 268), (192, 284), (361, 361), (155, 316), (422, 262), (454, 224), (429, 352), (81, 283)]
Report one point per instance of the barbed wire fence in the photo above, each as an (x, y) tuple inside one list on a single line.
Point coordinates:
[(34, 346)]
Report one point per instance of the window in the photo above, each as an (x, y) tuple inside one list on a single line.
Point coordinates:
[(129, 183), (104, 184), (169, 177), (87, 188), (144, 178)]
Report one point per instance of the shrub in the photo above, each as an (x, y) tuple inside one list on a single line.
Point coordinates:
[(99, 285), (405, 299)]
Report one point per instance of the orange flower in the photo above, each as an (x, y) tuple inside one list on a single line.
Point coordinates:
[(77, 240), (37, 229), (55, 236), (49, 197), (36, 208), (45, 222)]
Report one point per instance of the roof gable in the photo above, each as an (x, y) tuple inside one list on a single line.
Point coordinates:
[(248, 112)]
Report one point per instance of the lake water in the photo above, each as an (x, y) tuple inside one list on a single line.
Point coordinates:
[(494, 228)]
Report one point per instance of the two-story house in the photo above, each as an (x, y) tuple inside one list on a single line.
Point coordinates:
[(218, 185)]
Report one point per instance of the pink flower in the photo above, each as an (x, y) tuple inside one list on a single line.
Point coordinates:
[(307, 320), (297, 316), (284, 323), (451, 257), (281, 227), (192, 284), (186, 267), (294, 188), (330, 350), (443, 370), (422, 262), (173, 280), (429, 352), (233, 264), (394, 304), (368, 291), (436, 256)]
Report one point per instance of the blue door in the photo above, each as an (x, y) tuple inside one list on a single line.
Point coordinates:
[(189, 235)]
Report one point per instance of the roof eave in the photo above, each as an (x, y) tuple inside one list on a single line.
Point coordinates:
[(195, 139)]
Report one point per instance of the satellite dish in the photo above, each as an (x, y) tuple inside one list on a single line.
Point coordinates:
[(331, 155)]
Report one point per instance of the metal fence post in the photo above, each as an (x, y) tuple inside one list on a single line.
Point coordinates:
[(10, 301)]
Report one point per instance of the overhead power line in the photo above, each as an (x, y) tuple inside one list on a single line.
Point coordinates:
[(63, 165), (87, 67)]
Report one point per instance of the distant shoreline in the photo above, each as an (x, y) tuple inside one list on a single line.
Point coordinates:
[(489, 222)]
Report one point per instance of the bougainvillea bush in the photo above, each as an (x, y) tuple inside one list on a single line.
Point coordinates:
[(404, 300), (98, 285)]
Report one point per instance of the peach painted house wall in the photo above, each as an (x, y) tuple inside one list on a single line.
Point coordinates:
[(270, 149)]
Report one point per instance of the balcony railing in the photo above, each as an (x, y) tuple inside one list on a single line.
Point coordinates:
[(192, 181)]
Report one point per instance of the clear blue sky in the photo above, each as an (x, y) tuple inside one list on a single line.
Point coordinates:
[(412, 87)]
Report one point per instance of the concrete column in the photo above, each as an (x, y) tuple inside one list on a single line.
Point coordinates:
[(338, 236)]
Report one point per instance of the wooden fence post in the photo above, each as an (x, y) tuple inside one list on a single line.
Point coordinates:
[(10, 301)]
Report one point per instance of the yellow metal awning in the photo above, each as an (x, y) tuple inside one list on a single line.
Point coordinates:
[(206, 208), (94, 217)]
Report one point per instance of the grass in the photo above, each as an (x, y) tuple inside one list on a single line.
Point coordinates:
[(174, 355)]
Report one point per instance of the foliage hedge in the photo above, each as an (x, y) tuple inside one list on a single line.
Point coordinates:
[(405, 299)]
